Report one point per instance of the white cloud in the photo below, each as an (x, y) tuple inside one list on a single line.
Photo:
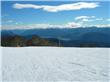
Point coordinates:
[(84, 17), (21, 6), (99, 19), (16, 23), (81, 17), (90, 19), (7, 21), (63, 7), (108, 19), (103, 25), (103, 19), (73, 25), (43, 26), (53, 26), (10, 21), (86, 20)]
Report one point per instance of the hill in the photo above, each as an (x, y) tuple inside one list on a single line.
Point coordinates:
[(20, 41)]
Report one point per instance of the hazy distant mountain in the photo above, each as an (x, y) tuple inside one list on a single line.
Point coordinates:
[(77, 37), (96, 37)]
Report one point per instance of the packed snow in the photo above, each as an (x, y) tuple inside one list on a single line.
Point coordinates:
[(55, 64)]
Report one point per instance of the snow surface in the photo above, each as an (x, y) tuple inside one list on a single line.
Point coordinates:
[(55, 64)]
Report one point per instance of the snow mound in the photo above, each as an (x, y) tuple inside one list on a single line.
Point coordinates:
[(55, 64)]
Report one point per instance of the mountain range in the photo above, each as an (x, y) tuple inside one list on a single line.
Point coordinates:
[(72, 37)]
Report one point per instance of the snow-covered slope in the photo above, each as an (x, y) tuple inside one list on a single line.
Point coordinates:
[(55, 64)]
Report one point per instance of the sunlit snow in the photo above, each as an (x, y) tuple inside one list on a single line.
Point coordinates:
[(55, 64)]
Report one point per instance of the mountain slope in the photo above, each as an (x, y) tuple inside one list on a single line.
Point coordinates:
[(73, 33), (74, 37), (96, 37)]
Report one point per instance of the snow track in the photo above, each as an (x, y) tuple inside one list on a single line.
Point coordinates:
[(55, 64)]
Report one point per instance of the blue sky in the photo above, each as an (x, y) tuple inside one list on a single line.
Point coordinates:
[(36, 14)]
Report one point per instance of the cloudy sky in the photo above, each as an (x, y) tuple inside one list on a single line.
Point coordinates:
[(48, 14)]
